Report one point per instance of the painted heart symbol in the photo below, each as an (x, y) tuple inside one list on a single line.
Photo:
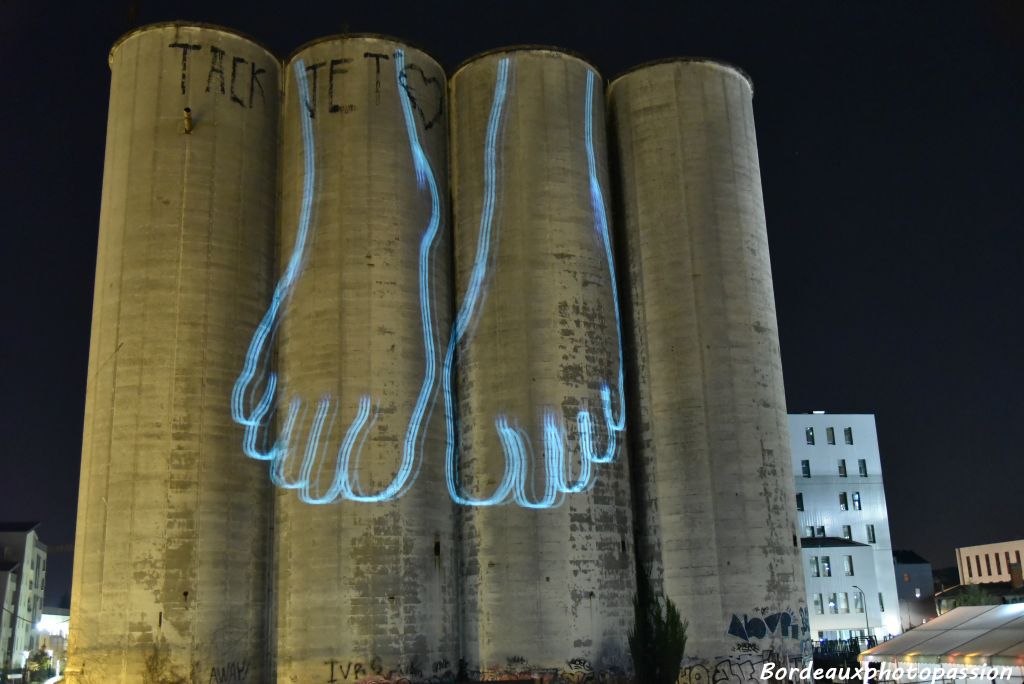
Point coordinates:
[(420, 95)]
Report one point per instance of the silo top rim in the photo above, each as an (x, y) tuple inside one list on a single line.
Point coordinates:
[(698, 60), (186, 24), (339, 36), (526, 48)]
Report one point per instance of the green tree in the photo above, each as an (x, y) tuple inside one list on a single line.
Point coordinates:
[(977, 595), (38, 665), (657, 640)]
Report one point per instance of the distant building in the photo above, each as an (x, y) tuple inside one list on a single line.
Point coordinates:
[(988, 562), (53, 634), (844, 526), (22, 582), (983, 593), (915, 587)]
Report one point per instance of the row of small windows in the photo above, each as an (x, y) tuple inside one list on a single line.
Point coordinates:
[(844, 501), (862, 467), (988, 564), (821, 566), (839, 602), (830, 435), (819, 531)]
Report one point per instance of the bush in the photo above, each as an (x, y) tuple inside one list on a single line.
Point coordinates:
[(657, 640)]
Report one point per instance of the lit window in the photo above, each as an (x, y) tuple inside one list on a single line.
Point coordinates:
[(871, 534), (906, 578), (805, 468), (844, 504), (799, 501), (818, 608), (917, 592), (848, 435), (844, 602), (815, 569), (842, 467), (809, 435), (808, 531), (833, 604), (830, 435), (848, 566), (862, 466), (858, 603), (826, 567), (819, 531), (881, 603), (847, 533), (856, 501)]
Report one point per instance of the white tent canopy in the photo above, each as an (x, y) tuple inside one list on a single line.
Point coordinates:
[(971, 635)]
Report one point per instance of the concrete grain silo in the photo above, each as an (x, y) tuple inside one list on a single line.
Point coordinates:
[(537, 463), (172, 540), (710, 451), (365, 532)]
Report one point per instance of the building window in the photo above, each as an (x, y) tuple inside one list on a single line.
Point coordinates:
[(988, 566), (826, 567), (848, 435), (830, 435), (815, 568), (999, 568), (842, 467), (862, 466), (977, 564), (906, 578), (856, 501), (847, 533), (819, 531), (858, 603), (833, 604), (844, 602), (809, 435), (881, 603), (805, 468), (844, 504), (799, 501), (848, 566), (818, 608), (970, 574), (809, 531), (871, 534), (917, 592)]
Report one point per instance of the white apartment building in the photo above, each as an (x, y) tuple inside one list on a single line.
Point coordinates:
[(844, 526), (988, 562), (22, 583)]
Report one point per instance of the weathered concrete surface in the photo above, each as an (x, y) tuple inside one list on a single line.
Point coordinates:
[(710, 443), (539, 587), (365, 588), (169, 572)]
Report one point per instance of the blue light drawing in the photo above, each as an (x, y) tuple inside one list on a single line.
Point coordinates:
[(253, 395), (514, 442)]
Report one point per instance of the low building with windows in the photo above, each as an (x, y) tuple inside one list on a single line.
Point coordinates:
[(22, 583), (843, 521), (988, 563), (915, 586)]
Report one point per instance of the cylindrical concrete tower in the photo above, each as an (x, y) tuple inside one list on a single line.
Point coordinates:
[(539, 466), (170, 554), (710, 451), (365, 531)]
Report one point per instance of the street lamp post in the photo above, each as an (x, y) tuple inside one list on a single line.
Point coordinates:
[(864, 604)]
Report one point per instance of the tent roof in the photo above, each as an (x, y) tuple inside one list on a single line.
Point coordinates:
[(969, 635)]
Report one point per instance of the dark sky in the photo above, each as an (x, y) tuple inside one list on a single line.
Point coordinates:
[(891, 138)]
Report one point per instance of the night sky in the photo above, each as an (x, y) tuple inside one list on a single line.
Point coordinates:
[(891, 138)]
